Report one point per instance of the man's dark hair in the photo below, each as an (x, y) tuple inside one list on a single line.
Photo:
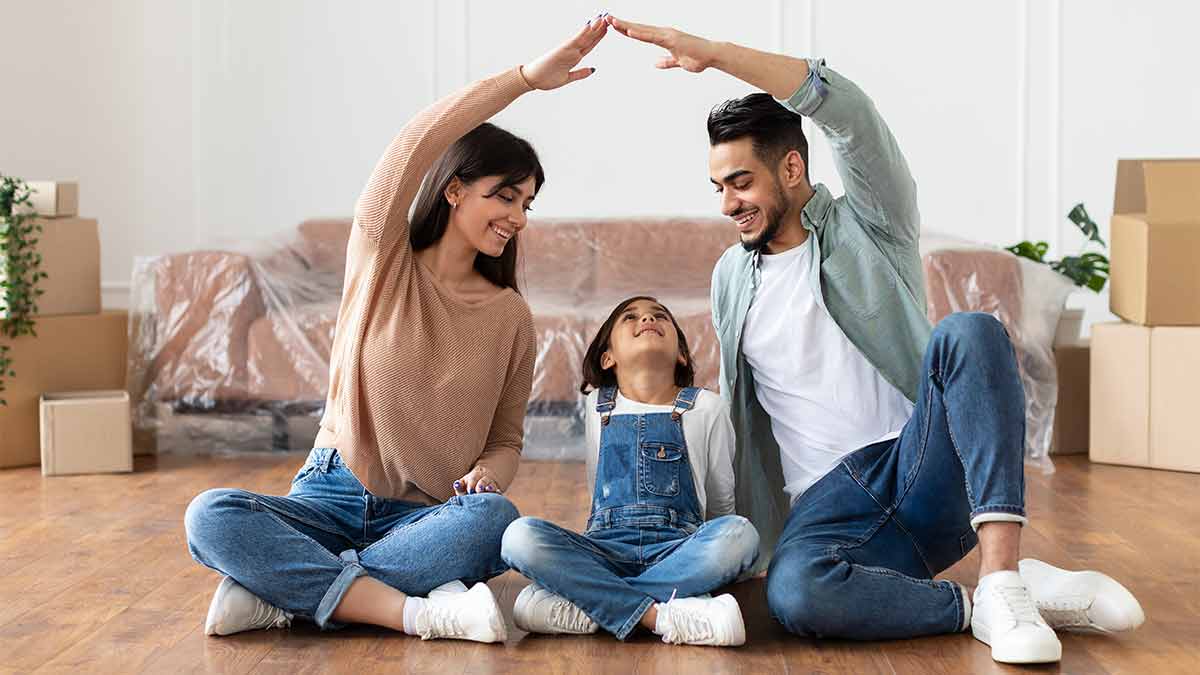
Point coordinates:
[(773, 129)]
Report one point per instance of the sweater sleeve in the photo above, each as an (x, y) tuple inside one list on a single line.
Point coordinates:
[(382, 209), (502, 453)]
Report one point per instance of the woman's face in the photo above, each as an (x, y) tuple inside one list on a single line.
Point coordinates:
[(643, 333), (485, 217)]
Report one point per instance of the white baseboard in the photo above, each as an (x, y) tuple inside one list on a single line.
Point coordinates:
[(114, 294)]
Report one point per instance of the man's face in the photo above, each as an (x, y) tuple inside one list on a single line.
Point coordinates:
[(751, 193)]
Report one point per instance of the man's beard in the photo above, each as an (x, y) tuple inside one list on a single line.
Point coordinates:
[(774, 217)]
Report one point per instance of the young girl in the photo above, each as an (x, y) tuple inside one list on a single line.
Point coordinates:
[(660, 457)]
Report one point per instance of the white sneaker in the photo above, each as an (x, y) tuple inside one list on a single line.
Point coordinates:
[(1085, 602), (714, 622), (235, 609), (1005, 617), (449, 588), (473, 615), (537, 610)]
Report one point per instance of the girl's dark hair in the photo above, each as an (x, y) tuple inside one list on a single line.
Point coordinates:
[(595, 376), (486, 150), (773, 129)]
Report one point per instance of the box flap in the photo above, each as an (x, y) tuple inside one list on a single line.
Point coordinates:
[(1166, 190)]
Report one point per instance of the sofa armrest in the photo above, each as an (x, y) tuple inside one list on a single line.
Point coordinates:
[(203, 305)]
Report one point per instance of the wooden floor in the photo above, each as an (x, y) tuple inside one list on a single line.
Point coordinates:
[(95, 577)]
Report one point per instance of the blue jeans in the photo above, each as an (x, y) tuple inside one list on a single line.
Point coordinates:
[(301, 552), (861, 546), (614, 574)]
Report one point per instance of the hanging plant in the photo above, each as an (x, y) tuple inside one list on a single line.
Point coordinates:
[(1088, 269), (20, 269)]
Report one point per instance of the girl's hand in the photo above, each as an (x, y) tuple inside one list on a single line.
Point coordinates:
[(553, 69), (477, 480)]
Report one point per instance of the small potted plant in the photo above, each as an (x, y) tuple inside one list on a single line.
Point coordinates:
[(1088, 269), (20, 269)]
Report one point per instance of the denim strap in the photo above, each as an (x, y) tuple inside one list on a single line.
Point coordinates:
[(684, 401), (606, 401)]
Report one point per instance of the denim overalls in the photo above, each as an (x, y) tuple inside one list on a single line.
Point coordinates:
[(646, 538)]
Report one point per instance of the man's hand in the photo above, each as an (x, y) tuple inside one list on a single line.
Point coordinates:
[(554, 68), (689, 52), (477, 480), (776, 74)]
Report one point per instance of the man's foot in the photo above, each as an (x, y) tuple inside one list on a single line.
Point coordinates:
[(714, 622), (235, 609), (1085, 601), (537, 610), (473, 615), (1005, 617)]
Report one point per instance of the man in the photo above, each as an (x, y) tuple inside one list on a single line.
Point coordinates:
[(874, 451)]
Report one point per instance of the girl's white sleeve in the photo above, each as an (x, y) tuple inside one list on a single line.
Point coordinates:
[(718, 486)]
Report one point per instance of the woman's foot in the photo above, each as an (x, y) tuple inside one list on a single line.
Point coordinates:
[(472, 615), (537, 610), (713, 622), (235, 609), (1085, 602)]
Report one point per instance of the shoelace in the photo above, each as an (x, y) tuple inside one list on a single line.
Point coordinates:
[(441, 622), (265, 615), (1066, 613), (567, 616), (685, 626), (1017, 604)]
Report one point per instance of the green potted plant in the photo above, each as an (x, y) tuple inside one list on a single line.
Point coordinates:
[(20, 269), (1088, 269)]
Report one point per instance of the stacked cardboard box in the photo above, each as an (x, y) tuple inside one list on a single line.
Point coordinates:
[(78, 347), (1072, 356), (1145, 369)]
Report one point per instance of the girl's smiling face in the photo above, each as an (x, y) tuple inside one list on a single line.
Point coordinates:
[(643, 332)]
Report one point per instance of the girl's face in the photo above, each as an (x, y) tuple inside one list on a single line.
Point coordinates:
[(643, 334), (488, 218)]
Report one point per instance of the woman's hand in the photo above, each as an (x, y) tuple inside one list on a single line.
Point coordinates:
[(689, 52), (477, 480), (553, 69)]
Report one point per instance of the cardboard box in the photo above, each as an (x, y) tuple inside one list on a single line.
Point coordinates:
[(1143, 399), (86, 432), (53, 199), (1073, 362), (70, 353), (70, 249), (1155, 242)]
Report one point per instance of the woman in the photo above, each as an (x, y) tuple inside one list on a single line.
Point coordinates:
[(431, 368)]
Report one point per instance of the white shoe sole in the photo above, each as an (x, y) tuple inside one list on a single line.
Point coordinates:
[(1048, 654)]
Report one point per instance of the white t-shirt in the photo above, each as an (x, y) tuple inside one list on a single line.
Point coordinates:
[(824, 398), (709, 437)]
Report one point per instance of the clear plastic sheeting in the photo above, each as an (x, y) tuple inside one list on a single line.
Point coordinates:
[(1027, 297), (229, 349)]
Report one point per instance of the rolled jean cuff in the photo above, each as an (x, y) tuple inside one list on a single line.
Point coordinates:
[(333, 596), (632, 623), (1012, 514)]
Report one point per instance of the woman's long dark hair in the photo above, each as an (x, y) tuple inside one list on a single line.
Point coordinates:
[(594, 374), (486, 150)]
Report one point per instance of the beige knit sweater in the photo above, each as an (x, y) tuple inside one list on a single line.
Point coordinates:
[(423, 385)]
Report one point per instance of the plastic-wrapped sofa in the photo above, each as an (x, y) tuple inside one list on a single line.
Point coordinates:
[(229, 349)]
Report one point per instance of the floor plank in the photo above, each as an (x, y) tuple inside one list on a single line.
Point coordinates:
[(97, 578)]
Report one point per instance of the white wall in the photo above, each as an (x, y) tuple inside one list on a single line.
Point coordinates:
[(190, 122)]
